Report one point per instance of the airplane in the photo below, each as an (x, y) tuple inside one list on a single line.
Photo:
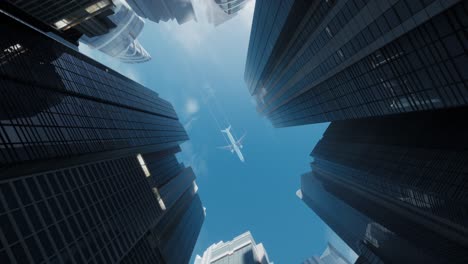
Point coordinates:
[(235, 146)]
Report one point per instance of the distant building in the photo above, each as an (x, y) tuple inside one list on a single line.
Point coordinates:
[(241, 250), (318, 61), (231, 6), (88, 172), (164, 10), (330, 256), (220, 11), (121, 42)]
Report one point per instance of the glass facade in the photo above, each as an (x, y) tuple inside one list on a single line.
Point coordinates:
[(407, 172), (325, 205), (63, 14), (367, 256), (231, 6), (268, 21), (330, 256), (354, 226), (66, 104), (100, 212), (87, 161), (121, 42), (354, 59)]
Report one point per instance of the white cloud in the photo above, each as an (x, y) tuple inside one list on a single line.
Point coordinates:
[(189, 124), (191, 106), (192, 158), (195, 35), (246, 14)]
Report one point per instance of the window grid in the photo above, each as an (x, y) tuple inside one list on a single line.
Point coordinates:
[(409, 74), (79, 214)]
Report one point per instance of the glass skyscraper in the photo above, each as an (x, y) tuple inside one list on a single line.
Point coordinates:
[(318, 61), (330, 256), (407, 173), (389, 176), (231, 6), (354, 227), (88, 172), (121, 42), (241, 250)]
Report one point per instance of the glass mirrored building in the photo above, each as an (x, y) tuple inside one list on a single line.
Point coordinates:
[(330, 256), (231, 6), (88, 172), (408, 174), (241, 250), (164, 10), (121, 42), (354, 227), (220, 11), (318, 61)]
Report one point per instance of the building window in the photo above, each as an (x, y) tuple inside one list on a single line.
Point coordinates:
[(97, 6), (143, 165), (158, 197), (61, 23)]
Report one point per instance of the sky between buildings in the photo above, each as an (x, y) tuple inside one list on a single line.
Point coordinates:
[(200, 69)]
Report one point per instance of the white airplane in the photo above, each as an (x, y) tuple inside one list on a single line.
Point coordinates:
[(235, 145)]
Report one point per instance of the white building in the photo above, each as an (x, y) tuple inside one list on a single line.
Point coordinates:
[(121, 42), (241, 250)]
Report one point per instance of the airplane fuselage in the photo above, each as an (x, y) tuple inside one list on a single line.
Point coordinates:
[(234, 145)]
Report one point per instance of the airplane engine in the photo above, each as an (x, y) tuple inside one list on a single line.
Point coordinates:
[(232, 151), (241, 146)]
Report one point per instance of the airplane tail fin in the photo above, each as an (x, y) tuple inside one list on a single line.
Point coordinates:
[(227, 129)]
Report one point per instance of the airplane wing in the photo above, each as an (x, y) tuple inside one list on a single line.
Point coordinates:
[(239, 141), (228, 147)]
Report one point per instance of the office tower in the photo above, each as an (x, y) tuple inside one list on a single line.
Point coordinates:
[(367, 256), (220, 11), (241, 250), (121, 42), (330, 256), (355, 227), (67, 18), (164, 10), (88, 172), (405, 172), (231, 6), (318, 61)]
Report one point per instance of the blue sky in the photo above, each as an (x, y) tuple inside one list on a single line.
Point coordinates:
[(258, 195)]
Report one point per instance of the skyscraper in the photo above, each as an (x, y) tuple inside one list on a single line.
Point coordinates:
[(330, 256), (121, 42), (367, 256), (241, 250), (407, 173), (68, 18), (87, 166), (231, 6), (318, 61), (354, 227), (164, 10), (220, 11)]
